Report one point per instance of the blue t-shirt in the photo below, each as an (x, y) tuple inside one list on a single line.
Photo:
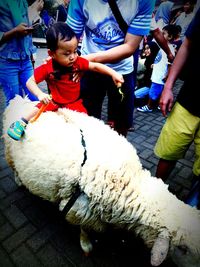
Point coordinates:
[(101, 30)]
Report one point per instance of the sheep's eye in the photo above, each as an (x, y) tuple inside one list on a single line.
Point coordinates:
[(183, 249)]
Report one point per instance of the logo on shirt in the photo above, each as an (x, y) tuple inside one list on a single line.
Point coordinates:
[(106, 32), (158, 57)]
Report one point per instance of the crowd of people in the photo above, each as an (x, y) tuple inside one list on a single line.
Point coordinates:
[(164, 40)]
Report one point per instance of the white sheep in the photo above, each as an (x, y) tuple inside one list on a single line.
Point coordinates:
[(67, 149)]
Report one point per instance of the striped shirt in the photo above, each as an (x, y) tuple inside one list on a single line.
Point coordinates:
[(101, 30)]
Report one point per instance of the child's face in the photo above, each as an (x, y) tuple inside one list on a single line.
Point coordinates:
[(66, 53), (166, 35), (187, 7), (147, 50)]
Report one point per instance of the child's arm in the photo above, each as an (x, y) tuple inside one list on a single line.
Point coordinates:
[(98, 67), (33, 88)]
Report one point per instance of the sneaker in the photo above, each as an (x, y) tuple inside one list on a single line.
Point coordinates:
[(145, 109), (16, 130), (131, 129)]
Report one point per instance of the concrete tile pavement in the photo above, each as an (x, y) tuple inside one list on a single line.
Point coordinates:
[(33, 232)]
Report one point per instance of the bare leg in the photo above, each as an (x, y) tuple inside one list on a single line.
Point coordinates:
[(164, 168), (152, 103), (122, 131), (31, 114)]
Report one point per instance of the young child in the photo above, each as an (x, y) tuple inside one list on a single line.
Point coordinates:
[(58, 73), (160, 70)]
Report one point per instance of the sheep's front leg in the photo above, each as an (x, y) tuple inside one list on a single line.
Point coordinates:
[(85, 242)]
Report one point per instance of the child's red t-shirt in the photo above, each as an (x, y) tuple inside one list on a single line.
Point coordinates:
[(63, 90)]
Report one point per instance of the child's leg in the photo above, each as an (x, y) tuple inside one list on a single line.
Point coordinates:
[(28, 116), (16, 129), (154, 94)]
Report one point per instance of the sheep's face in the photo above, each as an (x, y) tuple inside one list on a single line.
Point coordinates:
[(184, 257)]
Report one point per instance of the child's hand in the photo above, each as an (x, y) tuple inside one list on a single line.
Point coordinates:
[(118, 79), (45, 98), (77, 76)]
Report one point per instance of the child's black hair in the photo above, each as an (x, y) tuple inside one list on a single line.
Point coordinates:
[(191, 2), (58, 31), (173, 30)]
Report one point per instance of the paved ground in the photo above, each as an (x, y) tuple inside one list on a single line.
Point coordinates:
[(33, 233)]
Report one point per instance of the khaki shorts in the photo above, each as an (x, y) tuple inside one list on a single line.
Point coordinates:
[(180, 130)]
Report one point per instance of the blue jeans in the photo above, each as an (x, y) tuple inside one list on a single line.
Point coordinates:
[(95, 86), (13, 77)]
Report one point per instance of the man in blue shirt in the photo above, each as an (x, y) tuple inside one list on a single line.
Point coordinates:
[(106, 43)]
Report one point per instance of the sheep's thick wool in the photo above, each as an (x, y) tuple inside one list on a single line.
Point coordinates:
[(64, 149)]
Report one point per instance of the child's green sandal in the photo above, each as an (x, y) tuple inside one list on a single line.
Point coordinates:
[(16, 130)]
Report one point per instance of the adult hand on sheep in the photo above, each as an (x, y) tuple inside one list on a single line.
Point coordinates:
[(45, 98)]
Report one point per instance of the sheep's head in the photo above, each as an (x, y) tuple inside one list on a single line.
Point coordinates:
[(187, 252), (183, 256), (183, 246)]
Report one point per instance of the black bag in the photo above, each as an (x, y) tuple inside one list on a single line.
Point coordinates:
[(122, 23)]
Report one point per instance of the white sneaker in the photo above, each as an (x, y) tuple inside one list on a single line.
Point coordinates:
[(145, 109)]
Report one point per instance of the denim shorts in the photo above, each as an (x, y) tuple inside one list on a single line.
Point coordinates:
[(155, 91)]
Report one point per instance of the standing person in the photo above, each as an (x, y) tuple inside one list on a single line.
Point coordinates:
[(159, 72), (57, 72), (16, 48), (163, 14), (106, 43), (183, 123), (185, 17), (62, 10)]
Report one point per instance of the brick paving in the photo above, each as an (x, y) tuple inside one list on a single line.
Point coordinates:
[(33, 232)]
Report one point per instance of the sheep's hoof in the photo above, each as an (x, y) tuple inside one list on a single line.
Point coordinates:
[(86, 246), (85, 242)]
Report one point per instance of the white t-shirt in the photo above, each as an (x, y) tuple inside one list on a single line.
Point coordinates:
[(184, 20), (160, 66)]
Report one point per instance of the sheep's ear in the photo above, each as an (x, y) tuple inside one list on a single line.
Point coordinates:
[(160, 248)]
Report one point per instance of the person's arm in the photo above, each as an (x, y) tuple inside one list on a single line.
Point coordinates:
[(166, 99), (158, 36), (34, 89), (34, 10), (21, 30), (117, 53), (98, 67)]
